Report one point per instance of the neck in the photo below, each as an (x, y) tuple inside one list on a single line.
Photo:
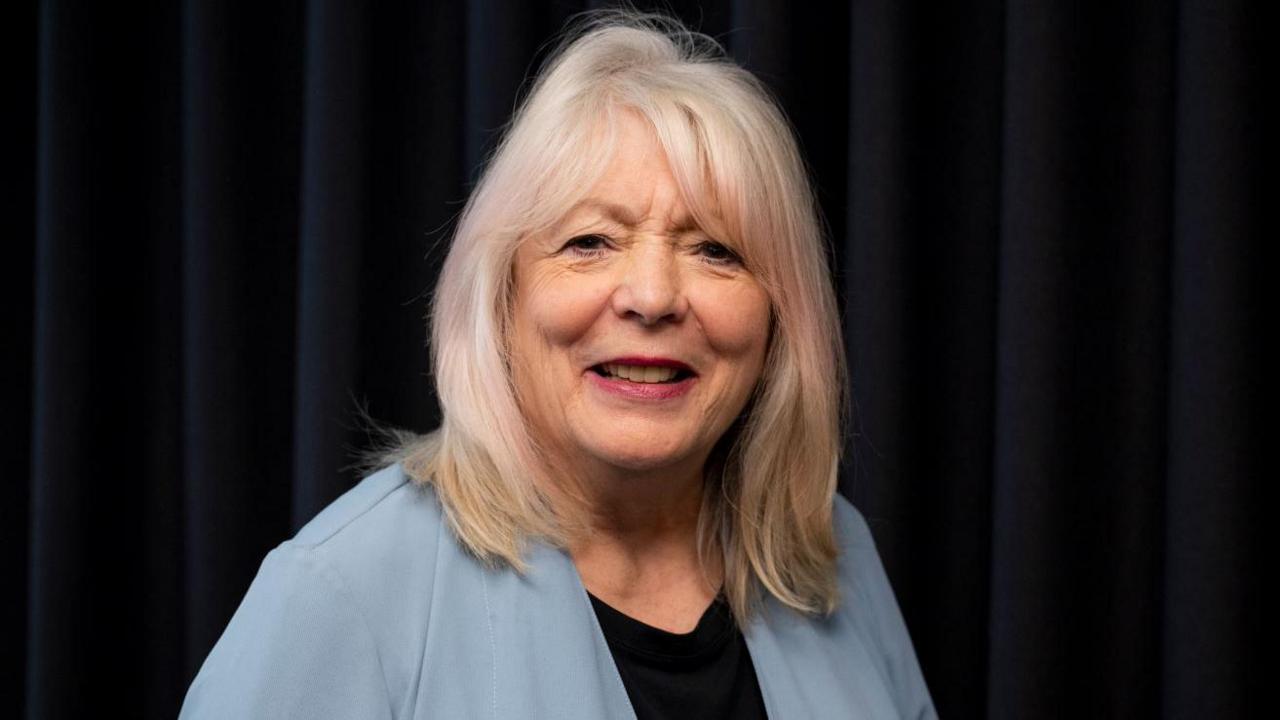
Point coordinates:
[(645, 507), (637, 514), (644, 538)]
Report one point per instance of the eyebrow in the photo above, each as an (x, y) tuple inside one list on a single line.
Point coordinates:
[(622, 214)]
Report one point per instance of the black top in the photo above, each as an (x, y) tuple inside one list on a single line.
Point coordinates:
[(706, 673)]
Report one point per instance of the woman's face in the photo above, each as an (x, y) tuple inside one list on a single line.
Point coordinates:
[(627, 278)]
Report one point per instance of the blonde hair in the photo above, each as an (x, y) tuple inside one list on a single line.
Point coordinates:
[(770, 482)]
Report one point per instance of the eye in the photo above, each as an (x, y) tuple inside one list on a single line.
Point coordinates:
[(586, 245), (718, 254)]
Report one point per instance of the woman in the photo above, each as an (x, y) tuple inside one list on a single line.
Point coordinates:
[(629, 509)]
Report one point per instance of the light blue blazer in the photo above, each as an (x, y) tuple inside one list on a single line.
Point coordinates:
[(374, 610)]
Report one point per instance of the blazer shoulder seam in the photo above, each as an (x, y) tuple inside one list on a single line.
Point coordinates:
[(334, 578), (372, 504)]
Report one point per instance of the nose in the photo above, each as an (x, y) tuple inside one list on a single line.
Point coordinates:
[(650, 288)]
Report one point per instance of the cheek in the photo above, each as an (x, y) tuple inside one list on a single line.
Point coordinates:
[(559, 309), (736, 321)]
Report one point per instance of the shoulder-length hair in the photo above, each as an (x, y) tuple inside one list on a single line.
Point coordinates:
[(770, 482)]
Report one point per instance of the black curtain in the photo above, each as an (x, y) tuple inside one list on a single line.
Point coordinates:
[(226, 218)]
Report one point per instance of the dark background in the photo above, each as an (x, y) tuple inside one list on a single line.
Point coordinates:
[(225, 218)]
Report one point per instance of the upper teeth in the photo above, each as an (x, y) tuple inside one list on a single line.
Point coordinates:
[(641, 373)]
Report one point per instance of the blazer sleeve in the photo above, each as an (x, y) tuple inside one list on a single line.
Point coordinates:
[(883, 620), (297, 647)]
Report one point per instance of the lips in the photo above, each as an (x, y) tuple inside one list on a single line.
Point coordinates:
[(646, 392), (647, 361)]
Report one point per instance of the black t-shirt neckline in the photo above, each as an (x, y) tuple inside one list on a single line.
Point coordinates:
[(704, 673), (644, 641)]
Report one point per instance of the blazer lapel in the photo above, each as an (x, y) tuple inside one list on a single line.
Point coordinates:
[(814, 668), (552, 660)]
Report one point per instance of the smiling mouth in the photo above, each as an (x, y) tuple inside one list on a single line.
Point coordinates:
[(641, 375)]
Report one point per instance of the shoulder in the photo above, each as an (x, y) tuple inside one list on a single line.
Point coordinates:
[(852, 531), (864, 585), (332, 619), (378, 544), (384, 511), (379, 539), (868, 604)]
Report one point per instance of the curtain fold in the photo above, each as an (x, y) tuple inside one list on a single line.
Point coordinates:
[(1081, 350), (334, 190), (1045, 237), (241, 91), (1213, 567)]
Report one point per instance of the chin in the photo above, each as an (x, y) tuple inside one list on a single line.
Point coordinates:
[(639, 458)]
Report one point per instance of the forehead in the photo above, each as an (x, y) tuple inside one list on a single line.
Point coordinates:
[(637, 180), (620, 212), (637, 183)]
